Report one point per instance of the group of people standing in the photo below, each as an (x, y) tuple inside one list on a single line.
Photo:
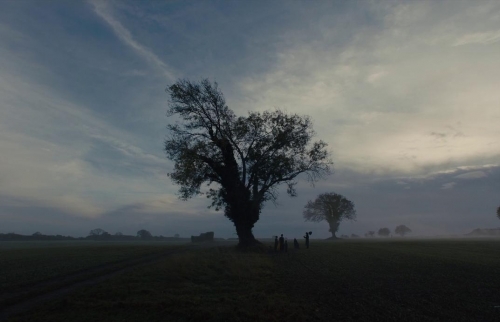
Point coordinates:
[(281, 243)]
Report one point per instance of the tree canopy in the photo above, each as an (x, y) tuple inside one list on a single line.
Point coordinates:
[(144, 234), (97, 232), (402, 230), (245, 157), (331, 207)]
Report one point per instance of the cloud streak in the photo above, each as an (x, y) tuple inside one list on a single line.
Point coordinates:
[(103, 10), (482, 38)]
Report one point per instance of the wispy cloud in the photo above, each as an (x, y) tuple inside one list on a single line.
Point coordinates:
[(472, 175), (46, 142), (482, 38), (103, 9)]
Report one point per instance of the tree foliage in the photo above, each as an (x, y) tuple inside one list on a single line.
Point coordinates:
[(402, 230), (331, 207), (246, 158), (370, 233), (144, 234), (97, 232), (384, 232)]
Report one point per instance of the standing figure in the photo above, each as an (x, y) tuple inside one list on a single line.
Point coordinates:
[(275, 243), (282, 243), (286, 245), (295, 243), (307, 239)]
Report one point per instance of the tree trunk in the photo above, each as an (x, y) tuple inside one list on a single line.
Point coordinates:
[(240, 209), (334, 226), (245, 235), (244, 215)]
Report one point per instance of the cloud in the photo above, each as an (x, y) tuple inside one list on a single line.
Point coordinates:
[(448, 185), (102, 8), (482, 38), (56, 152), (419, 90), (373, 78), (472, 175)]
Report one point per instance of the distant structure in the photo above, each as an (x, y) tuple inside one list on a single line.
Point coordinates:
[(204, 237)]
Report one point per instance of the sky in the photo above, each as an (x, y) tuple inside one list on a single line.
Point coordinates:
[(405, 93)]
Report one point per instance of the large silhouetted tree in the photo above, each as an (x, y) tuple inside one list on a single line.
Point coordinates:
[(246, 157), (331, 207), (402, 230)]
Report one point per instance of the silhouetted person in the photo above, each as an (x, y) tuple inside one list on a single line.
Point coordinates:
[(275, 243), (307, 239), (295, 243), (286, 245), (282, 243)]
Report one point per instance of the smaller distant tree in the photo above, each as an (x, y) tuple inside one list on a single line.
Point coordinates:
[(119, 234), (144, 234), (332, 208), (354, 236), (37, 234), (371, 233), (402, 230), (97, 232), (384, 232)]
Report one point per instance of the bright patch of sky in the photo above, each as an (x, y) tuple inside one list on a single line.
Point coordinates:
[(404, 92)]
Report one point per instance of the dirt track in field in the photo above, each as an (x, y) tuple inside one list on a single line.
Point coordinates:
[(28, 297)]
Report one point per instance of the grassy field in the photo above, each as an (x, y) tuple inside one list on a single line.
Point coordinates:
[(429, 280), (25, 263)]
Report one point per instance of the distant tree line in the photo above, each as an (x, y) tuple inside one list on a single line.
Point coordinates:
[(400, 230), (143, 234), (35, 236), (94, 234)]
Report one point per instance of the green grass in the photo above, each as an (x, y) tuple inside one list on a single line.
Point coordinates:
[(343, 281)]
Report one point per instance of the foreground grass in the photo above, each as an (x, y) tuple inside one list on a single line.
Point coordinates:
[(217, 284), (402, 280), (26, 263), (343, 281)]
